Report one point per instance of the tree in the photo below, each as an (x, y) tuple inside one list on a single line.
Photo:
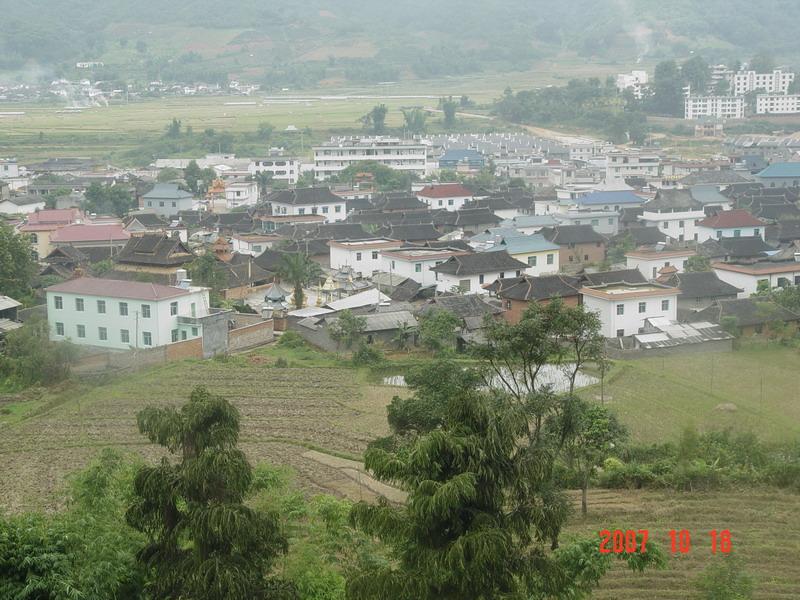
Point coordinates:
[(697, 74), (596, 433), (763, 62), (697, 263), (203, 541), (347, 328), (174, 129), (723, 87), (376, 119), (30, 358), (299, 270), (667, 88), (264, 179), (403, 336), (205, 271), (197, 179), (108, 200), (265, 130), (169, 174), (437, 330), (415, 119), (449, 108), (17, 267)]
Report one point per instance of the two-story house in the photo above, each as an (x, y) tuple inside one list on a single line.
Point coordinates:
[(578, 244), (167, 199), (447, 196), (469, 273), (309, 201), (675, 213), (623, 307), (730, 223)]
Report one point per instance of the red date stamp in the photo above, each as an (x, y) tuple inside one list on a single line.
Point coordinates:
[(628, 541)]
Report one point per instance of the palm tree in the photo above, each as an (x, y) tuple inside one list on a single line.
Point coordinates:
[(403, 335), (299, 270), (264, 179)]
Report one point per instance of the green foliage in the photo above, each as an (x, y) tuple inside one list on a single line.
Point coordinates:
[(205, 271), (108, 200), (731, 325), (375, 120), (102, 267), (697, 74), (168, 174), (667, 89), (449, 108), (386, 179), (203, 541), (17, 267), (437, 330), (415, 120), (299, 270), (367, 355), (347, 328), (697, 263), (619, 248), (763, 62), (291, 339), (197, 180), (725, 579), (403, 336), (30, 358)]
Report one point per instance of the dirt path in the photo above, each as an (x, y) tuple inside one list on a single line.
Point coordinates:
[(367, 487)]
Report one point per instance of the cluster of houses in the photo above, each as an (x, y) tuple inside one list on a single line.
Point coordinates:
[(652, 244)]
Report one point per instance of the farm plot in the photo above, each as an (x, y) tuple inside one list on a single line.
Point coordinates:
[(285, 412)]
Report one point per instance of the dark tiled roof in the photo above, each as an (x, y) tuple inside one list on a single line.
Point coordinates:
[(325, 231), (704, 284), (307, 247), (410, 233), (744, 247), (572, 234), (785, 231), (480, 262), (747, 311), (672, 199), (242, 274), (724, 177), (398, 202), (147, 220), (155, 250), (405, 291), (608, 277), (467, 217), (471, 305), (537, 288), (167, 191), (305, 196), (642, 236)]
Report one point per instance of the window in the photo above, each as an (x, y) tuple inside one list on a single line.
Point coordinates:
[(147, 338), (450, 202), (571, 258), (174, 335), (642, 307), (194, 331), (59, 329), (102, 333), (358, 256), (314, 210), (145, 311), (620, 309), (374, 255), (595, 222), (337, 208), (58, 302), (123, 309), (324, 210), (183, 334), (737, 233), (531, 261), (173, 308), (719, 234), (550, 259), (502, 275), (124, 336), (655, 272), (194, 309), (417, 267), (695, 237), (441, 202), (464, 284), (610, 220), (81, 331), (666, 224), (680, 224), (174, 204), (756, 231), (665, 305), (161, 204), (101, 307), (480, 279), (393, 265), (508, 304), (256, 248), (79, 304), (301, 211), (620, 333), (585, 257)]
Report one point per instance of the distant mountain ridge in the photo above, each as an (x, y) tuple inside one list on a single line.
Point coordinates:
[(377, 40)]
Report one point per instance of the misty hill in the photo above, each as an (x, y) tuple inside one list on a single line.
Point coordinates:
[(377, 40)]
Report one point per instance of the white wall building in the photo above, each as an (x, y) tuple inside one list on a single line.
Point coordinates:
[(721, 107), (621, 164), (748, 277), (635, 80), (777, 104), (9, 168), (777, 82), (415, 263), (650, 262), (676, 214), (252, 244), (123, 314), (471, 272), (363, 256), (623, 307), (338, 154), (282, 168), (447, 196), (730, 223), (241, 193), (309, 201)]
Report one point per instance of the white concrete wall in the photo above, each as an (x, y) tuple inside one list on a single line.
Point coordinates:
[(670, 223), (362, 260), (160, 324), (331, 211), (451, 204), (445, 282), (9, 208), (749, 283), (404, 268), (646, 266), (631, 320), (168, 208), (707, 233)]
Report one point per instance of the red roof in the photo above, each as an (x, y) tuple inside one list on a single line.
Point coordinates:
[(731, 218), (445, 190), (113, 288), (91, 233), (52, 218)]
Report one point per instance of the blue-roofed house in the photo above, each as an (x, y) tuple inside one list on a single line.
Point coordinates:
[(615, 201), (539, 254), (459, 159), (780, 175)]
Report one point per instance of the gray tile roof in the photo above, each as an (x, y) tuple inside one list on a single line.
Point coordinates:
[(480, 262)]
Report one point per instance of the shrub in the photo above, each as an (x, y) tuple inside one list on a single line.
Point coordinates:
[(281, 363), (291, 339), (367, 355)]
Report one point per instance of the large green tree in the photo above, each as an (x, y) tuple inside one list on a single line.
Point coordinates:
[(697, 74), (17, 267), (375, 119), (347, 328), (108, 200), (203, 540), (299, 270), (667, 98)]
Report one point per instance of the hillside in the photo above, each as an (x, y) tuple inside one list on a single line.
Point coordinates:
[(321, 40)]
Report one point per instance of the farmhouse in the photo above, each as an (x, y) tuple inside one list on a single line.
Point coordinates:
[(698, 291), (470, 272), (650, 261), (448, 196), (364, 256), (308, 201), (40, 226), (541, 256), (750, 316), (579, 244), (167, 199), (416, 263), (749, 277), (730, 223), (623, 307), (516, 293), (779, 175), (675, 213)]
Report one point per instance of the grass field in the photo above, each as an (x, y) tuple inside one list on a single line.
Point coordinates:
[(656, 398)]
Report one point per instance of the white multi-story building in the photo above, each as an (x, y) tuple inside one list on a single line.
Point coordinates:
[(586, 149), (338, 154), (777, 104), (730, 223), (9, 168), (363, 256), (777, 82), (416, 263), (252, 244), (282, 168), (635, 80), (622, 164), (650, 262), (721, 107), (241, 193), (124, 314), (676, 214), (309, 201), (623, 307)]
